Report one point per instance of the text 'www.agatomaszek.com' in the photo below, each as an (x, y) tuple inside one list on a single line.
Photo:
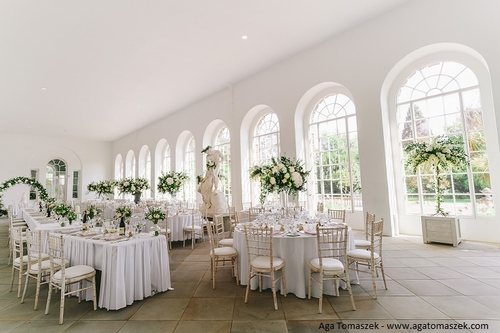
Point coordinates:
[(399, 326)]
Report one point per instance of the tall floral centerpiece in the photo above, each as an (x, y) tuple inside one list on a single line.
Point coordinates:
[(437, 157), (133, 186), (282, 175), (171, 182), (102, 188), (154, 215)]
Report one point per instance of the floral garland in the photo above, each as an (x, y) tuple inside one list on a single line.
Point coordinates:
[(155, 214), (102, 187), (437, 156), (171, 182), (282, 175), (123, 211), (22, 180), (91, 211), (131, 185)]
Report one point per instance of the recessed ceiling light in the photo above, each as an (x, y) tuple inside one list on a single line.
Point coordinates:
[(43, 88), (244, 37)]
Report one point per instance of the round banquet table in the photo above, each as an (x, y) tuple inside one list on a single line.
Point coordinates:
[(176, 224), (296, 251)]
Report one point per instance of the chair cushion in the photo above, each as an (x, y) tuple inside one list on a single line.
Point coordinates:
[(329, 264), (264, 262), (226, 242), (25, 259), (73, 272), (362, 242), (45, 265), (224, 251), (196, 227), (361, 254)]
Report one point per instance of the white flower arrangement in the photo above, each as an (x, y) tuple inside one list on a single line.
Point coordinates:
[(91, 211), (22, 180), (437, 156), (155, 214), (131, 185), (282, 175), (171, 182), (123, 211), (102, 187)]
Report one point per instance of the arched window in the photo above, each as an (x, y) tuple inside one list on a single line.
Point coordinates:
[(334, 145), (145, 168), (190, 169), (444, 98), (166, 164), (223, 144), (266, 139), (130, 167), (266, 145), (56, 179)]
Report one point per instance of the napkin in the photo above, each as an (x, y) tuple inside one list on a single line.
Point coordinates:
[(110, 238)]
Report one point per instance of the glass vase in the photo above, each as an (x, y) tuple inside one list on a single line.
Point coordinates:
[(155, 229)]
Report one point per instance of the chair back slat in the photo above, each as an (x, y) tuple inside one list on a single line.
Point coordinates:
[(337, 215), (259, 242), (332, 242)]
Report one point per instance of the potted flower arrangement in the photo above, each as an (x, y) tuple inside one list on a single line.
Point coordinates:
[(438, 157), (154, 215), (283, 175), (133, 186), (102, 188), (171, 182)]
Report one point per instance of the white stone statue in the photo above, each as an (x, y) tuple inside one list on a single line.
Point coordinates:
[(213, 199)]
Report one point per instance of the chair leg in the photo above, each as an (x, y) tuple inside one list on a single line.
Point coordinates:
[(248, 285), (374, 281), (273, 287), (94, 295), (383, 274), (25, 288), (61, 306), (236, 273), (212, 266), (48, 298), (20, 281), (309, 288), (320, 282), (37, 295)]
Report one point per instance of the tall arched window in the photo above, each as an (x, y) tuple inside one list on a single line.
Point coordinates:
[(266, 145), (166, 164), (444, 98), (266, 139), (223, 144), (334, 145), (145, 168), (55, 178), (130, 166), (190, 169)]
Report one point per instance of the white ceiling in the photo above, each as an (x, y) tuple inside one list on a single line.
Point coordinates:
[(100, 69)]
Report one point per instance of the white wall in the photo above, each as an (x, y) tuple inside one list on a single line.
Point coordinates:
[(20, 154), (359, 60)]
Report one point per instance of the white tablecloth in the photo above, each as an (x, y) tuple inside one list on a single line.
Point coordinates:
[(39, 222), (296, 251), (131, 270)]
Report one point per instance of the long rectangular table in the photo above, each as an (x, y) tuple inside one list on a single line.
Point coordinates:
[(131, 270)]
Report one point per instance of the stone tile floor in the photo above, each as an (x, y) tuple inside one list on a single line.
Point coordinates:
[(427, 284)]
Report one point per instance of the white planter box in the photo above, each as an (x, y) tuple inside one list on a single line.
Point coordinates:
[(441, 229)]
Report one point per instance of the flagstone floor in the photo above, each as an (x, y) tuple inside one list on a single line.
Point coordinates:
[(428, 284)]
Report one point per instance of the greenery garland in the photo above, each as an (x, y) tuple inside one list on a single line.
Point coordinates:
[(21, 180)]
